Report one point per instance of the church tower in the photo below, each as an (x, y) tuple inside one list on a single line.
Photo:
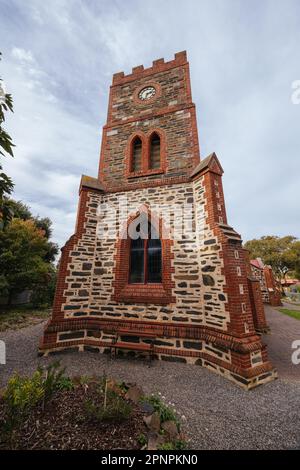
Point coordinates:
[(153, 266)]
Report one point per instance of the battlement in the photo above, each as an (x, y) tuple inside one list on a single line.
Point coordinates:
[(158, 65)]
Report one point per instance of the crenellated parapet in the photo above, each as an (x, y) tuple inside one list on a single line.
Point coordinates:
[(158, 65)]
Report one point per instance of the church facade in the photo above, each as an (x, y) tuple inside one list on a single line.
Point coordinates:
[(153, 266)]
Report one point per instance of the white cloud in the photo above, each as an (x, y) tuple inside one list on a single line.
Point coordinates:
[(53, 148), (22, 55)]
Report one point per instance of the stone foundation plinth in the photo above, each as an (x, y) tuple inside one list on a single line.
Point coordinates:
[(241, 360)]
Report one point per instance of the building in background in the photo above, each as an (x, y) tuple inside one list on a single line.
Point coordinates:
[(270, 287)]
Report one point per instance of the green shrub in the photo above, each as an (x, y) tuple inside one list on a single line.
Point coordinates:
[(116, 410), (22, 393), (20, 396)]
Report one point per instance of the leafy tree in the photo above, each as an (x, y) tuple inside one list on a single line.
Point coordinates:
[(19, 209), (296, 250), (43, 294), (23, 248), (282, 253), (44, 224), (6, 148), (26, 253), (22, 211)]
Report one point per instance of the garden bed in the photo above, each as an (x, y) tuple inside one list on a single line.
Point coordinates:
[(52, 411), (16, 317)]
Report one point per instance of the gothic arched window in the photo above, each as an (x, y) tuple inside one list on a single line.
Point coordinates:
[(136, 162), (145, 265), (154, 151)]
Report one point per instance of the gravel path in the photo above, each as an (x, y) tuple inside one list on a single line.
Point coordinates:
[(219, 414), (284, 331), (290, 306)]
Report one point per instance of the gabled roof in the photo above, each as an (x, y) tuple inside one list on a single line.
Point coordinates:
[(209, 163), (257, 262)]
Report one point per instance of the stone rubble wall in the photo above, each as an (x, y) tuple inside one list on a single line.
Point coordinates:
[(197, 266), (211, 264), (176, 127)]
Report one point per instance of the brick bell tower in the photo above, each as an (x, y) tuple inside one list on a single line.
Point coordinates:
[(181, 289)]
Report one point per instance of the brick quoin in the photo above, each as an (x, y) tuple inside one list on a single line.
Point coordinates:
[(208, 309)]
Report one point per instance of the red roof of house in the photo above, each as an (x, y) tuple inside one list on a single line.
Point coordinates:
[(256, 263), (289, 281)]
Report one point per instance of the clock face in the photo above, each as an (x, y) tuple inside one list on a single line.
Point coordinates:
[(147, 93)]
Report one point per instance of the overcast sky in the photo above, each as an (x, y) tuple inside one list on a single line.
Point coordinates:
[(58, 61)]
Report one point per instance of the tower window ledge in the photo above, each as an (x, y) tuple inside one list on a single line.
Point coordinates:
[(137, 174)]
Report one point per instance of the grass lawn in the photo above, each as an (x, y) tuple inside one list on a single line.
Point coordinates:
[(18, 316), (290, 313)]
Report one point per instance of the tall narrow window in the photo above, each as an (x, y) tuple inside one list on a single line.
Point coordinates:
[(146, 258), (154, 261), (137, 261), (154, 151), (136, 164)]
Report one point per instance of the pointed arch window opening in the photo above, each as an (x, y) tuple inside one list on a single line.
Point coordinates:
[(155, 158), (145, 265), (136, 155), (146, 155)]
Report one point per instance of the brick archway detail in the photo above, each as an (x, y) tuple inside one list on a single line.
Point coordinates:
[(160, 293)]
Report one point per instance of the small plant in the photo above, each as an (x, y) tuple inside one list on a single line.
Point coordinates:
[(166, 446), (142, 439), (123, 387), (84, 380), (177, 445), (65, 383), (180, 444), (165, 412), (115, 409), (54, 379)]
